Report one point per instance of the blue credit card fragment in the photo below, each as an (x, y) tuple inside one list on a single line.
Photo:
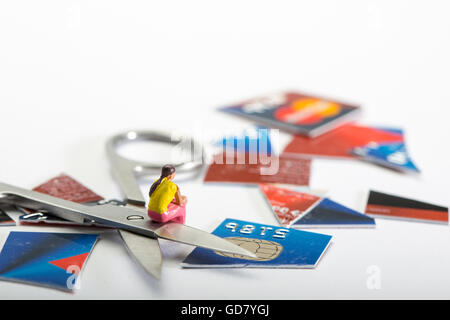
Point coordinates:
[(274, 246), (48, 259)]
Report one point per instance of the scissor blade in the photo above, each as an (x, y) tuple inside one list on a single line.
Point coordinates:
[(117, 217), (185, 234), (145, 250)]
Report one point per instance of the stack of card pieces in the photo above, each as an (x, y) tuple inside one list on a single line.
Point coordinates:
[(281, 169), (63, 187), (274, 247), (390, 206), (5, 219), (49, 259), (296, 112), (302, 210), (383, 146)]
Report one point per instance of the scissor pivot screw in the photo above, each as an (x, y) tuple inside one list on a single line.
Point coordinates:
[(135, 217)]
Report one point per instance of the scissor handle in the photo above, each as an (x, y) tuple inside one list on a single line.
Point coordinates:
[(125, 169)]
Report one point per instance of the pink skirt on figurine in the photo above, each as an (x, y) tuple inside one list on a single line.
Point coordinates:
[(174, 213)]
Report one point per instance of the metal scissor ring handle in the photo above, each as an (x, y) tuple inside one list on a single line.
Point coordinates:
[(195, 163)]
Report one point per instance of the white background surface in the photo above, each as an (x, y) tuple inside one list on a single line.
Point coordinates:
[(74, 72)]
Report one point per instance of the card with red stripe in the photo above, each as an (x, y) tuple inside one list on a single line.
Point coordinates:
[(390, 206)]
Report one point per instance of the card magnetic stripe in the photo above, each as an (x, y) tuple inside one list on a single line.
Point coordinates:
[(383, 199)]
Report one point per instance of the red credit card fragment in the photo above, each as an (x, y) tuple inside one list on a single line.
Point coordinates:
[(67, 188), (288, 205), (281, 169), (339, 142)]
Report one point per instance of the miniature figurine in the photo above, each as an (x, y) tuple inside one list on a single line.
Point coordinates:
[(166, 202)]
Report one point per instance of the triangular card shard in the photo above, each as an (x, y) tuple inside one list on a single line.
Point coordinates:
[(391, 155), (287, 205), (390, 206), (49, 259), (275, 247), (73, 261), (296, 112), (332, 214), (302, 210)]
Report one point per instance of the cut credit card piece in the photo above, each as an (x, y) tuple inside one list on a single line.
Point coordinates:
[(67, 188), (385, 205), (340, 142), (302, 210), (281, 169), (391, 155), (296, 112), (48, 259), (330, 214), (63, 187), (275, 247), (288, 205), (5, 219), (254, 141)]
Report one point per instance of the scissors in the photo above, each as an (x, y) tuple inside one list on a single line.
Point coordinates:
[(136, 229)]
